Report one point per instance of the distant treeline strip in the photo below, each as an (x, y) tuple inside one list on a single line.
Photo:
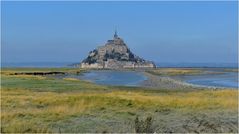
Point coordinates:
[(38, 73)]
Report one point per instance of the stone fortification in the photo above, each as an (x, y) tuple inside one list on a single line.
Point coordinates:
[(114, 55)]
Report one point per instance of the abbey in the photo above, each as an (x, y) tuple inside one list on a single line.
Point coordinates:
[(114, 55)]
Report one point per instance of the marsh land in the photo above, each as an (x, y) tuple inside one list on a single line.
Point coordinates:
[(160, 101)]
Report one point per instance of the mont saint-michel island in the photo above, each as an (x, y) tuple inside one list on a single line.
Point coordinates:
[(115, 54), (171, 68)]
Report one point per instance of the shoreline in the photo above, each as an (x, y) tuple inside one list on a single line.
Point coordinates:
[(155, 81), (166, 82)]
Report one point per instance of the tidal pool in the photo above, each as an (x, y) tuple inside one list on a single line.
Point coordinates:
[(111, 77)]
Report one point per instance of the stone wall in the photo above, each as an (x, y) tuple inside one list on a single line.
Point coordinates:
[(94, 65), (112, 64)]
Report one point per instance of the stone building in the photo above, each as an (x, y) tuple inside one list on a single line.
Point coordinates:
[(114, 55)]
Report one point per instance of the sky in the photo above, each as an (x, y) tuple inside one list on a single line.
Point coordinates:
[(172, 32)]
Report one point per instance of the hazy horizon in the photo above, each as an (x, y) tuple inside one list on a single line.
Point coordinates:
[(158, 64), (163, 32)]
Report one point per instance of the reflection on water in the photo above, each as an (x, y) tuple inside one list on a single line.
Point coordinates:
[(107, 77)]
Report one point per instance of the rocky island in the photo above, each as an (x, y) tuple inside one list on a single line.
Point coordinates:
[(114, 55)]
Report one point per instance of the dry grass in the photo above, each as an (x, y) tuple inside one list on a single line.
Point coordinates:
[(196, 99), (23, 105), (22, 110), (28, 110), (232, 70), (71, 79), (175, 71)]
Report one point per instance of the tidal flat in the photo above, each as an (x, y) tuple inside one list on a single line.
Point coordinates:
[(39, 103)]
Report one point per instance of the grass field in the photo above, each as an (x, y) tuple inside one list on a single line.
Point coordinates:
[(173, 71), (42, 104), (188, 71)]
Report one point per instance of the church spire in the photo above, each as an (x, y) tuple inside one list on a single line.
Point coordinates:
[(115, 35)]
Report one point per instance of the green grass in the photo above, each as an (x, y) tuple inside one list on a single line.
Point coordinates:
[(42, 104), (7, 71), (47, 84)]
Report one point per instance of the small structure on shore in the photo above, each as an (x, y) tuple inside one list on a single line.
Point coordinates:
[(114, 55)]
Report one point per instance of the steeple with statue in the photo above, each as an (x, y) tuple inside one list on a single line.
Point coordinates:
[(116, 40), (115, 35)]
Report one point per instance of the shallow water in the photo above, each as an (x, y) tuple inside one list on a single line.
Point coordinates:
[(132, 78), (107, 77), (228, 79)]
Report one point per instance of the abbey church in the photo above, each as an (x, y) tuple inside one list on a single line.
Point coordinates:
[(114, 55)]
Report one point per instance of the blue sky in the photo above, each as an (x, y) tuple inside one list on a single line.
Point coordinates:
[(174, 32)]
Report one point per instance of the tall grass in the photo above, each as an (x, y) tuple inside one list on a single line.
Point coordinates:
[(21, 105), (33, 104)]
